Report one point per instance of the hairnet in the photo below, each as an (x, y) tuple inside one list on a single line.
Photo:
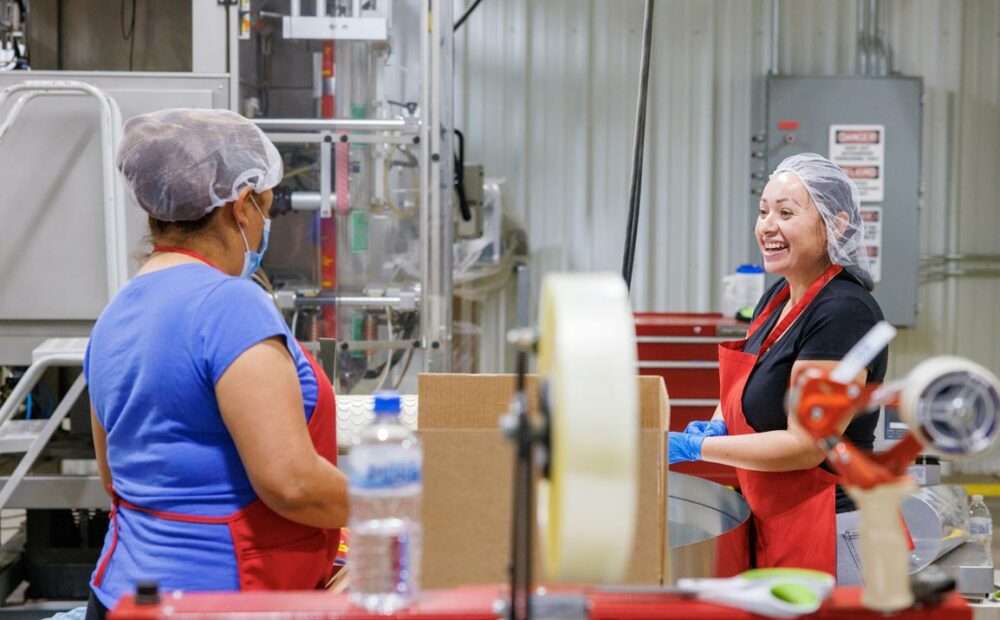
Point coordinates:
[(833, 193), (180, 164)]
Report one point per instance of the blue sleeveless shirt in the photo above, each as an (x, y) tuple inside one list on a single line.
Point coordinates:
[(153, 359)]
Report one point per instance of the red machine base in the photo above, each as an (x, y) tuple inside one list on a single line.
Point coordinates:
[(477, 603)]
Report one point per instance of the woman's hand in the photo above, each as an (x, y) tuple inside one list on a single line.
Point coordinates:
[(684, 447), (707, 428)]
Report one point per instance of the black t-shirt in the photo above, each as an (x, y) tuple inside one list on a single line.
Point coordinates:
[(839, 316)]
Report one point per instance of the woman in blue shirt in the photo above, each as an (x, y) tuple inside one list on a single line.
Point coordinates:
[(214, 430)]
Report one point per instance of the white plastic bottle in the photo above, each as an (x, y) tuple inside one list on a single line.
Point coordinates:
[(980, 523), (384, 472), (742, 290)]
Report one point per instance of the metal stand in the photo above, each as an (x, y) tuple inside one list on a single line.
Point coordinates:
[(527, 435), (517, 426)]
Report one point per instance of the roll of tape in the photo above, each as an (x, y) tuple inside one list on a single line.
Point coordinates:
[(953, 405), (587, 355)]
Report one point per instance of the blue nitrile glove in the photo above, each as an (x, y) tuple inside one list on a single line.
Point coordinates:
[(707, 428), (684, 447)]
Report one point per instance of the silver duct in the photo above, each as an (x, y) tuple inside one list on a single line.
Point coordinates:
[(873, 57)]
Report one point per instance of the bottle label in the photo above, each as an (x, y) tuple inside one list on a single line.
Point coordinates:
[(384, 468), (980, 526)]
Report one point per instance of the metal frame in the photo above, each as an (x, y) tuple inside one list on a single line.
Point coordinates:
[(435, 192), (691, 365), (51, 492), (52, 353), (111, 123), (50, 427), (435, 216)]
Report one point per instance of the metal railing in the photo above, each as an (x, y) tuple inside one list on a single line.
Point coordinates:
[(111, 126)]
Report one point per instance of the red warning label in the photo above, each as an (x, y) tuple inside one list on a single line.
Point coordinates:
[(861, 172), (855, 136)]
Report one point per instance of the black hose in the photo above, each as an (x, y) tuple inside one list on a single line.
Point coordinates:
[(465, 16), (635, 192), (463, 202)]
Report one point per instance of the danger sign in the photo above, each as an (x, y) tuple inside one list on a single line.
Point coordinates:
[(860, 151), (847, 136)]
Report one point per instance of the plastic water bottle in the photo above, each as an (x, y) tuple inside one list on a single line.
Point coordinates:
[(980, 523), (742, 289), (384, 472)]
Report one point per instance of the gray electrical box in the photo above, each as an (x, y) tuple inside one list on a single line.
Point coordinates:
[(870, 126)]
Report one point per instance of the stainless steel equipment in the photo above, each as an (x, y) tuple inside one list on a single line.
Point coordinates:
[(937, 518), (938, 523), (708, 523)]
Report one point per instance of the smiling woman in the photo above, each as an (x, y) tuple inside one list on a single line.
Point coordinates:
[(808, 231)]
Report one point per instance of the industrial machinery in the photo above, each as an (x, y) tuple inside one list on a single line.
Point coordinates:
[(952, 407), (396, 227)]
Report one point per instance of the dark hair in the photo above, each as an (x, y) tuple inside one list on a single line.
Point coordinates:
[(161, 228), (174, 233)]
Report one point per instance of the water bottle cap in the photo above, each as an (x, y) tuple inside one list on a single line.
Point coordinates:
[(386, 402), (977, 498), (749, 268)]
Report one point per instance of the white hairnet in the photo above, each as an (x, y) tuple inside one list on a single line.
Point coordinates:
[(182, 163), (833, 192)]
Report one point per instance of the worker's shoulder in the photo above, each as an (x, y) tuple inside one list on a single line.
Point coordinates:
[(846, 296), (229, 292)]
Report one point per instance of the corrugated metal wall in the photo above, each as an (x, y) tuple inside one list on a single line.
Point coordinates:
[(546, 95)]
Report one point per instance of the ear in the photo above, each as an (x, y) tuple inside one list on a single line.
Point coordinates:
[(242, 208), (840, 222)]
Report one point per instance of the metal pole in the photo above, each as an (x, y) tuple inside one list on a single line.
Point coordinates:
[(861, 54), (333, 124), (872, 42), (775, 34), (436, 190), (635, 193)]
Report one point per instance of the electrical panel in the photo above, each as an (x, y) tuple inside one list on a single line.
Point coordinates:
[(871, 127)]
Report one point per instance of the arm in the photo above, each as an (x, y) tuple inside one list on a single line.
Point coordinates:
[(100, 449), (786, 450), (261, 404)]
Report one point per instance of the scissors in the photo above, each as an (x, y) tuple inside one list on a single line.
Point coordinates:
[(773, 592)]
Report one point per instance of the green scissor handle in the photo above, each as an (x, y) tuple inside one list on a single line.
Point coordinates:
[(787, 573), (795, 594)]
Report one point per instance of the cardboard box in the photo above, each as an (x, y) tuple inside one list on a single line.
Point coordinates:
[(468, 481)]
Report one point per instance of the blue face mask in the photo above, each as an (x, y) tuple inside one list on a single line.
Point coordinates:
[(251, 260)]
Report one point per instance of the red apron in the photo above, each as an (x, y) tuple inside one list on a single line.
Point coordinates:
[(793, 512), (272, 552)]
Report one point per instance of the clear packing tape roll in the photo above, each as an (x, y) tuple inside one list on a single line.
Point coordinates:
[(587, 357), (953, 406)]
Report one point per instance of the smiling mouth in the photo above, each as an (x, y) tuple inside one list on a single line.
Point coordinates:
[(773, 247)]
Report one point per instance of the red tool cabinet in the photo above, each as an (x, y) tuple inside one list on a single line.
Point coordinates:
[(683, 349)]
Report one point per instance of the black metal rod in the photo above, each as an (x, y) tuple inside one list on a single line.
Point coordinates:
[(635, 191), (521, 506), (465, 16)]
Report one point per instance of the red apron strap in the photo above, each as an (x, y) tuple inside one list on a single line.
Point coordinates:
[(176, 516), (176, 250), (773, 305), (814, 289), (102, 567)]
